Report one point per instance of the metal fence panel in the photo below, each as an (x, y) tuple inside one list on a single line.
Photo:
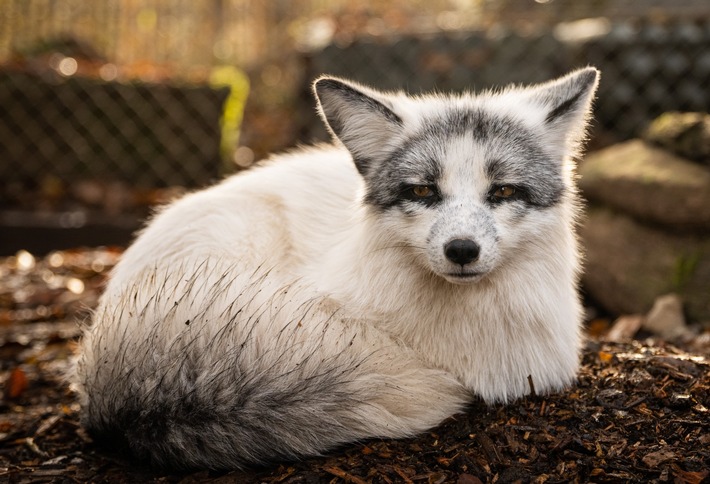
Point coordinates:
[(147, 134)]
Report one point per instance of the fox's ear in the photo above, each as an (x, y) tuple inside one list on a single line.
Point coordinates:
[(362, 119), (567, 103)]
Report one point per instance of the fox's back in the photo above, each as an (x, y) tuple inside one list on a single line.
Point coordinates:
[(284, 212)]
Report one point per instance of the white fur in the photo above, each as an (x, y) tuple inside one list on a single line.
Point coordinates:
[(379, 278)]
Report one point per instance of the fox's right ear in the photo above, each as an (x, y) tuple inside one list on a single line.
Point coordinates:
[(362, 119)]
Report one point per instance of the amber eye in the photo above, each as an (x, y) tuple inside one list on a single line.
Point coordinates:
[(506, 191), (422, 191)]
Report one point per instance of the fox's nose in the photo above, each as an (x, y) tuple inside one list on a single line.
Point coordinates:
[(462, 251)]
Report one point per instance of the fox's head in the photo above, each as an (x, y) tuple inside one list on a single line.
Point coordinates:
[(466, 182)]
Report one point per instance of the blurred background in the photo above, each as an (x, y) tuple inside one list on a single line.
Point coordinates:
[(109, 108)]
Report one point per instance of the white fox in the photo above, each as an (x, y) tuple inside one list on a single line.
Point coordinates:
[(369, 288)]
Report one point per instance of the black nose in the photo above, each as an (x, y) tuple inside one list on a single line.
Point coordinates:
[(462, 251)]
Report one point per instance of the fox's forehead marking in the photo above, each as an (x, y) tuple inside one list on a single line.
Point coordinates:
[(496, 149), (480, 123), (422, 151), (489, 135)]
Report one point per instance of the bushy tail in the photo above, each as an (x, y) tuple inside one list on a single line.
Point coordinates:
[(223, 384), (192, 410)]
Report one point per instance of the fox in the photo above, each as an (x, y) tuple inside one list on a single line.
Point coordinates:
[(370, 287)]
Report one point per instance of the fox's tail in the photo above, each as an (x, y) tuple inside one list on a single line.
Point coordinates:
[(183, 376)]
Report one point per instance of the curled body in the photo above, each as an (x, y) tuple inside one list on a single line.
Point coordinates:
[(368, 288)]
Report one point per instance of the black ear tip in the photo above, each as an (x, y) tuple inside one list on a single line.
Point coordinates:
[(588, 75), (326, 84)]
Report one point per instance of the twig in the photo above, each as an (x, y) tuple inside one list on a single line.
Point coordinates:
[(337, 472), (532, 386), (30, 443), (404, 476), (47, 424)]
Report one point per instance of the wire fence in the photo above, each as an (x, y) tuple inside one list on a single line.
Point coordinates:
[(149, 134), (133, 90), (648, 67)]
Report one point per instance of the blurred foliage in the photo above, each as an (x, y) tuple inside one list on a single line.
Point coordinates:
[(184, 33), (233, 109)]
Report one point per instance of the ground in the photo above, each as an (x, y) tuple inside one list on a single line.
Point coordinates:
[(640, 411)]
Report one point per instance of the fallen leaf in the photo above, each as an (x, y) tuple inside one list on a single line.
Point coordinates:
[(654, 459), (689, 477), (605, 357), (597, 327), (16, 384), (468, 479)]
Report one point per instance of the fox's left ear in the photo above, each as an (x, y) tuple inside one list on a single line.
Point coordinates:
[(567, 103), (362, 119)]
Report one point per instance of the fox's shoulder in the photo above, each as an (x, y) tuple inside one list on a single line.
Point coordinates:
[(327, 161)]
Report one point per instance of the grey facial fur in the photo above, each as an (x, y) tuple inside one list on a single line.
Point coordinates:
[(519, 161)]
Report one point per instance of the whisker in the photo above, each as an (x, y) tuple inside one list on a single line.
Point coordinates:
[(400, 246)]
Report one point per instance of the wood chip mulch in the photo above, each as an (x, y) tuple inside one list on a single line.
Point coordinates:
[(639, 413)]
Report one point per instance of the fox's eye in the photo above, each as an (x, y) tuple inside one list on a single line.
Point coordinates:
[(424, 194), (505, 191), (422, 191)]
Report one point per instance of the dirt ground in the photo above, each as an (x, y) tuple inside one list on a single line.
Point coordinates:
[(639, 413)]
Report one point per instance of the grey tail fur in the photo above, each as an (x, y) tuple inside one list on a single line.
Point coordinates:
[(254, 388), (187, 424)]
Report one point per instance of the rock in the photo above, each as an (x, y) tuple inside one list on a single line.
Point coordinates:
[(629, 265), (649, 183), (624, 328), (666, 318), (686, 134)]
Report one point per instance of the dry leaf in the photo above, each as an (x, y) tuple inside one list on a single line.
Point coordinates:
[(16, 384)]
